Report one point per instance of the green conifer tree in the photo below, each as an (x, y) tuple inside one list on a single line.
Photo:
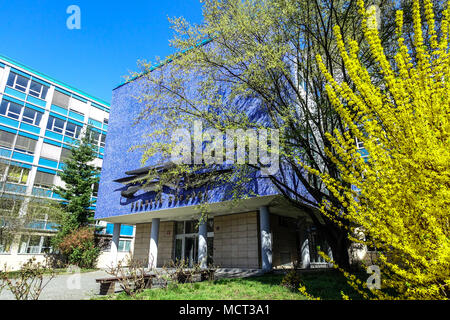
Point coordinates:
[(79, 176)]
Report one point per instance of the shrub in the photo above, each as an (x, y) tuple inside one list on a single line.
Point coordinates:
[(79, 248), (28, 282), (292, 280), (132, 276)]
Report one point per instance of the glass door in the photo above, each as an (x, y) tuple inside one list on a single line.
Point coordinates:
[(190, 250), (186, 242)]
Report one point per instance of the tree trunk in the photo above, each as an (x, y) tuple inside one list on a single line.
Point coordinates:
[(339, 244)]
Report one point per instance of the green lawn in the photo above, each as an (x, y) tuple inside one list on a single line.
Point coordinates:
[(323, 284)]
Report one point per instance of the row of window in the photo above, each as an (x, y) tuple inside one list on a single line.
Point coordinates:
[(27, 145), (14, 110), (72, 130), (36, 244), (25, 85), (31, 116), (19, 175), (20, 143), (39, 90), (123, 246), (60, 126)]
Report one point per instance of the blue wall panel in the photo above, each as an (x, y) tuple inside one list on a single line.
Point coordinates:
[(5, 153), (22, 157), (76, 116), (9, 122), (15, 93), (58, 109), (53, 135), (29, 127), (48, 163), (37, 101)]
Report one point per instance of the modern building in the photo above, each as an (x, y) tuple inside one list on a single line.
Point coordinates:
[(262, 232), (40, 119)]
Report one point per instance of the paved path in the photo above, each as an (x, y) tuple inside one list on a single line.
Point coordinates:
[(67, 287), (83, 286)]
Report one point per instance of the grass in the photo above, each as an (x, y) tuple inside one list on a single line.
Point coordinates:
[(327, 285), (324, 284)]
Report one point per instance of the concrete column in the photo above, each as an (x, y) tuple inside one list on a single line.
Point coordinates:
[(266, 239), (304, 251), (115, 243), (202, 245), (153, 252)]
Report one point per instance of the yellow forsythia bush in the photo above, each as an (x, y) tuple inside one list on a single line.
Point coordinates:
[(399, 194)]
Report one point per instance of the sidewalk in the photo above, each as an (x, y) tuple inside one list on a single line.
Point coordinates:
[(64, 287)]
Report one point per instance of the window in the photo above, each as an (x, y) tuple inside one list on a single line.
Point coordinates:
[(25, 144), (359, 144), (65, 154), (6, 139), (60, 99), (124, 245), (102, 140), (46, 245), (5, 242), (3, 167), (10, 109), (191, 227), (35, 244), (317, 243), (31, 116), (105, 121), (95, 189), (17, 174), (210, 225), (95, 136), (9, 207), (38, 90), (55, 124), (50, 151), (18, 82), (44, 179), (72, 130)]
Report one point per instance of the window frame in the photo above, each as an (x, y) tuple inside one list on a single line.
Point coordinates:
[(35, 121), (21, 174), (102, 140), (73, 134), (28, 151), (124, 241), (14, 83), (8, 111), (53, 119), (44, 186), (3, 145), (36, 249), (42, 94)]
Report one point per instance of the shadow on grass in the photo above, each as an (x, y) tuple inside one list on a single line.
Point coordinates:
[(324, 284)]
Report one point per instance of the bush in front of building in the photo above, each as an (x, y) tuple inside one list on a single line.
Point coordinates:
[(292, 280), (79, 248), (28, 282)]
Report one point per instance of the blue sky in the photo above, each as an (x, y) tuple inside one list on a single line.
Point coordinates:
[(94, 59)]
